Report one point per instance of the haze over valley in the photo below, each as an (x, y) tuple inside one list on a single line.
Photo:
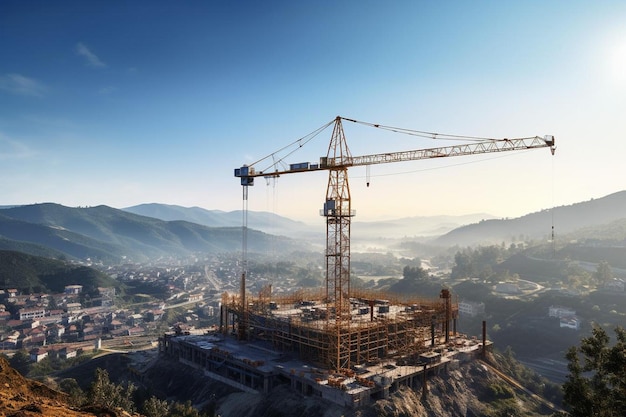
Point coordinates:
[(320, 208)]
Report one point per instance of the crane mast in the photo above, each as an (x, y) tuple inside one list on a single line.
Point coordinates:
[(337, 209), (338, 212)]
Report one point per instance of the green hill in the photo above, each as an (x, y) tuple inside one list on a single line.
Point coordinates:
[(565, 219), (29, 274), (106, 234)]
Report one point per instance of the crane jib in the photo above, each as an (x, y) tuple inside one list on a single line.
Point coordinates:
[(248, 173)]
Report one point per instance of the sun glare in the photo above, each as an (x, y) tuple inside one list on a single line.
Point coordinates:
[(617, 62)]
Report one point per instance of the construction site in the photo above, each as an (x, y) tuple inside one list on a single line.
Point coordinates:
[(385, 344), (341, 343), (371, 328)]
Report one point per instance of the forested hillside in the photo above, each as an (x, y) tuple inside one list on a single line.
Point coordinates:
[(106, 234), (34, 274), (565, 219)]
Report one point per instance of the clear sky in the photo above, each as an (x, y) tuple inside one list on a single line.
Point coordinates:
[(122, 103)]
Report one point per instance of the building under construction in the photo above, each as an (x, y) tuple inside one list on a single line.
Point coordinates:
[(341, 326), (379, 326), (296, 340), (361, 343)]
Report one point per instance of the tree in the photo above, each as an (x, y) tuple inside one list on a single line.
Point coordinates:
[(596, 387), (20, 361), (412, 281), (463, 266), (603, 273), (184, 410), (105, 393), (414, 273), (71, 387), (153, 407)]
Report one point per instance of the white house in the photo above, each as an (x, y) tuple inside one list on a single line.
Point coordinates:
[(570, 322), (560, 311), (38, 354), (31, 313), (471, 308)]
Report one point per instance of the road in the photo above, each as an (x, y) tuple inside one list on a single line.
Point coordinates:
[(210, 276)]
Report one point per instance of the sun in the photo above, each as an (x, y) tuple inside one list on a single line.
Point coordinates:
[(617, 62)]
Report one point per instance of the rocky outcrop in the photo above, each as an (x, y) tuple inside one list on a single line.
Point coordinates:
[(22, 397)]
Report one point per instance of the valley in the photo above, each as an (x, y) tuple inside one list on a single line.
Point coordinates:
[(124, 307)]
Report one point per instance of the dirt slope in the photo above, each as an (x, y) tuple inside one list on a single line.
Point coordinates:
[(21, 397)]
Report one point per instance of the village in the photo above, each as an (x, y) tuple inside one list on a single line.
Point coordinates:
[(63, 325)]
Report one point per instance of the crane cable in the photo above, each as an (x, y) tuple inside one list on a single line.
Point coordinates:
[(552, 215), (423, 134), (300, 142), (271, 208)]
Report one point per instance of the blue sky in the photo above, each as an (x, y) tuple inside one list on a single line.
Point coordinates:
[(123, 103)]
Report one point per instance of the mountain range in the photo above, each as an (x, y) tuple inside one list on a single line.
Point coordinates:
[(279, 225), (564, 220), (106, 234), (259, 220), (153, 231)]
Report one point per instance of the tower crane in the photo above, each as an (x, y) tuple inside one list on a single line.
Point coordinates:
[(337, 208)]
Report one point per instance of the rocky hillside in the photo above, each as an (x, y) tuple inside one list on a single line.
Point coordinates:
[(472, 389), (469, 389), (21, 397)]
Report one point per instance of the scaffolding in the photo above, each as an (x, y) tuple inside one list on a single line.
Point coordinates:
[(377, 326)]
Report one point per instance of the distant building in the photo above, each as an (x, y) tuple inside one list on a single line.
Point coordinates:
[(560, 311), (155, 315), (38, 354), (31, 313), (8, 344), (73, 289), (471, 308), (136, 331), (135, 320), (570, 322), (5, 316), (73, 307), (15, 324), (56, 331), (55, 314), (196, 297), (107, 296)]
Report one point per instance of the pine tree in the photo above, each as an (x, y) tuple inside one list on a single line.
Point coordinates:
[(153, 407), (596, 387), (105, 393)]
